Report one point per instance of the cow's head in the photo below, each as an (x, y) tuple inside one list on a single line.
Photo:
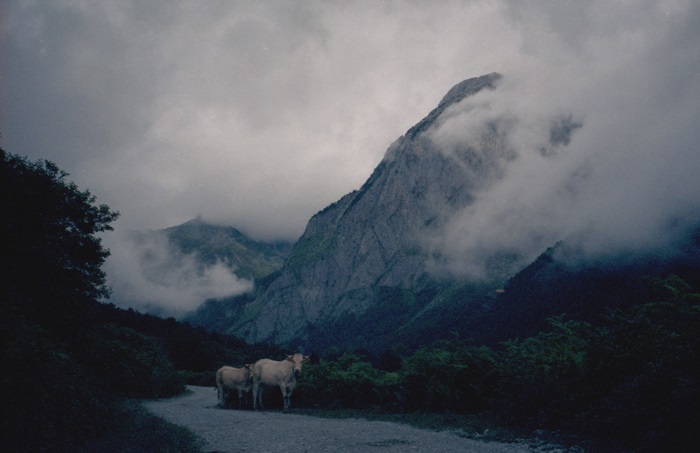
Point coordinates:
[(297, 359)]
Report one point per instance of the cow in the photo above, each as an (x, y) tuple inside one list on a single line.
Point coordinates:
[(270, 373), (229, 378)]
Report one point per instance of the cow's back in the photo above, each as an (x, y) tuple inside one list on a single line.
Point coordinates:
[(230, 377), (272, 372)]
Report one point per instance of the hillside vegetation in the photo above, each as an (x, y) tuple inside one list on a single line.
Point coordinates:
[(627, 380)]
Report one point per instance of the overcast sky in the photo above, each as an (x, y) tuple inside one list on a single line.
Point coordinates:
[(258, 114)]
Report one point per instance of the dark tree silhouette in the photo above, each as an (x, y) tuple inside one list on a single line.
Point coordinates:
[(51, 258)]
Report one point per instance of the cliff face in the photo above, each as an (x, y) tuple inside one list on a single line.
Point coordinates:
[(376, 237)]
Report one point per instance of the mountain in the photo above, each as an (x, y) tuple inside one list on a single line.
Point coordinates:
[(247, 258), (367, 272), (367, 251), (172, 271), (553, 285), (211, 244)]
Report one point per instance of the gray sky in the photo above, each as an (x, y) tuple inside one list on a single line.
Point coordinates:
[(260, 113), (252, 113)]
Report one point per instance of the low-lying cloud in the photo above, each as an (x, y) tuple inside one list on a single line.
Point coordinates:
[(148, 274), (605, 160)]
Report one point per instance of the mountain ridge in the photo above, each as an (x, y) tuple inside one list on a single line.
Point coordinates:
[(247, 257), (372, 237)]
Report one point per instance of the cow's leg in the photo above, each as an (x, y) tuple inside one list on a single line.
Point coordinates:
[(243, 398), (255, 395), (222, 397), (258, 396), (289, 397), (285, 396)]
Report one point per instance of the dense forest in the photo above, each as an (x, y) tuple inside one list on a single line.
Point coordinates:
[(74, 367)]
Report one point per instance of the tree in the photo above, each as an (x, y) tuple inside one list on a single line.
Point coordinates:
[(52, 258)]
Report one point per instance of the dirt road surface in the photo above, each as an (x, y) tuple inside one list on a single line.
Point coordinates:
[(230, 430)]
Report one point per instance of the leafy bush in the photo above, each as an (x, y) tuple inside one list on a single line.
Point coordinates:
[(349, 382), (66, 372), (48, 400), (629, 380), (536, 375), (131, 363), (646, 369), (449, 376)]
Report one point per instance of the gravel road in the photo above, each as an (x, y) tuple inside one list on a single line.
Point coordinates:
[(230, 430)]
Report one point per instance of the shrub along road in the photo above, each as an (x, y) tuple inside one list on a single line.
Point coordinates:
[(230, 430)]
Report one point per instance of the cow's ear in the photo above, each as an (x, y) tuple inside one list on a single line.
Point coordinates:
[(307, 359), (290, 358)]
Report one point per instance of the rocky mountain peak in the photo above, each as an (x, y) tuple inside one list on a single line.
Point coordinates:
[(457, 93), (468, 87), (373, 237)]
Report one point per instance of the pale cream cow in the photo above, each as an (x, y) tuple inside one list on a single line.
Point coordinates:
[(230, 378), (270, 373)]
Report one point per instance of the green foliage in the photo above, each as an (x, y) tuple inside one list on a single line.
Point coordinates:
[(676, 288), (629, 380), (50, 251), (131, 363), (450, 375), (554, 354), (539, 379), (349, 382), (532, 370), (646, 364), (53, 402), (68, 361), (41, 386)]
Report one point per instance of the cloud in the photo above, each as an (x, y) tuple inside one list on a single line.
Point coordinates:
[(624, 182), (250, 113), (147, 273)]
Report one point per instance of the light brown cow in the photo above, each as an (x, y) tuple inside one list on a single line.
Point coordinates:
[(271, 373), (230, 378)]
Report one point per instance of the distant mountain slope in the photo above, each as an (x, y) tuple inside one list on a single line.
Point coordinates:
[(171, 272), (211, 243), (552, 285)]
